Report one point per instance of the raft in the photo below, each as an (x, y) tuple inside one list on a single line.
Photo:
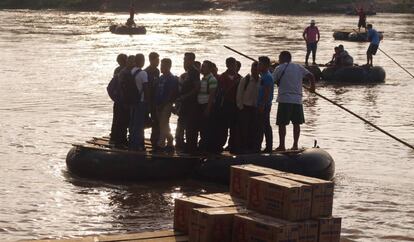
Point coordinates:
[(122, 29), (353, 35), (354, 74), (97, 160)]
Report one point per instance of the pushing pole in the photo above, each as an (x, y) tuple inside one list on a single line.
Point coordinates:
[(340, 106), (398, 64)]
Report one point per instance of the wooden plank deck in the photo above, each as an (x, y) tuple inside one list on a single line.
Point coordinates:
[(158, 236)]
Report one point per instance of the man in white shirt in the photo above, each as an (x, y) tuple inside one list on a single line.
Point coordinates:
[(136, 129), (247, 95), (288, 77)]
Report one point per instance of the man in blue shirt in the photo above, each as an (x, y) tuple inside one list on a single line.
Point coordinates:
[(374, 38), (264, 105)]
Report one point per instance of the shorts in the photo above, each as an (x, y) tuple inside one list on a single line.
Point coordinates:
[(372, 49), (362, 23), (312, 47), (287, 112)]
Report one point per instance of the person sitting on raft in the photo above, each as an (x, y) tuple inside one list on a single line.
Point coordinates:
[(130, 22), (335, 57), (344, 58)]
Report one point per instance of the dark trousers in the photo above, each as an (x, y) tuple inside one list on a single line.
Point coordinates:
[(264, 129), (120, 121), (202, 129), (227, 120), (311, 47), (155, 128), (136, 127), (247, 122), (179, 133), (190, 118)]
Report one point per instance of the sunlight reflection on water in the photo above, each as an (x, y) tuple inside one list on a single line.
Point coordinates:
[(55, 69)]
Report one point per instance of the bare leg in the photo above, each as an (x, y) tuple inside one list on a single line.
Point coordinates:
[(369, 59), (282, 135), (296, 134)]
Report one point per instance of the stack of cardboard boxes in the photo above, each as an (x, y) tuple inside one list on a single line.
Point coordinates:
[(263, 205)]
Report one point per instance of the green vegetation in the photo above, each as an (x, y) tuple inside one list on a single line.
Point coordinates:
[(182, 5), (41, 4)]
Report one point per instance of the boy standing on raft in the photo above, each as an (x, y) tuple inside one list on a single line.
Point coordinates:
[(362, 22), (374, 38), (130, 21), (288, 77)]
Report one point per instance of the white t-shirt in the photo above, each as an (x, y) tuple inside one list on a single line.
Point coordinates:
[(140, 79), (290, 87)]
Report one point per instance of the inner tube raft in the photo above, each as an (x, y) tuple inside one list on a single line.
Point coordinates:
[(98, 161), (123, 29), (354, 74), (353, 35)]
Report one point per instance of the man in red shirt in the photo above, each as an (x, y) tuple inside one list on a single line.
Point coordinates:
[(227, 88), (311, 36), (362, 19)]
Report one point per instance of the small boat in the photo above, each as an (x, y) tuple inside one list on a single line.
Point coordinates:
[(354, 74), (353, 35), (97, 160), (123, 29)]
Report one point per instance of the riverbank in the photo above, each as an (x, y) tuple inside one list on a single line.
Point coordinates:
[(270, 6)]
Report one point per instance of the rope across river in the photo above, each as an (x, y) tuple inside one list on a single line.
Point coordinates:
[(396, 63), (338, 105)]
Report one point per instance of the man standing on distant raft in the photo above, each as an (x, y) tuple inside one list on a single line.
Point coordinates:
[(130, 22), (288, 77), (374, 38), (311, 36), (362, 22)]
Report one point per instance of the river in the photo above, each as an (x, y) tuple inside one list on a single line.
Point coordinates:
[(54, 71)]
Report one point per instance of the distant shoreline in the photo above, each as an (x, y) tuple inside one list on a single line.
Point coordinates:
[(143, 6)]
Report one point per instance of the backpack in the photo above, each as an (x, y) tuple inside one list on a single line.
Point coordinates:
[(129, 88), (113, 89)]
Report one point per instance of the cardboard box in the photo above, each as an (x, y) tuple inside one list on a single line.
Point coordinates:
[(330, 229), (308, 231), (240, 174), (254, 227), (279, 197), (225, 198), (213, 224), (322, 193), (183, 207)]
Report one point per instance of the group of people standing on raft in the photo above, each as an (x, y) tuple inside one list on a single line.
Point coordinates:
[(213, 109), (341, 58)]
